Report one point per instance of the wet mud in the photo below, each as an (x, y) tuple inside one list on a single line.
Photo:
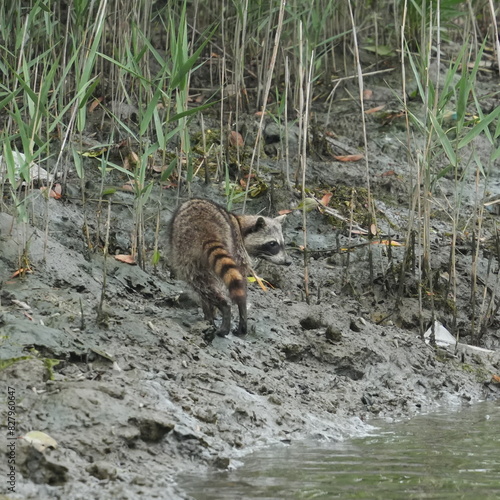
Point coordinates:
[(136, 394)]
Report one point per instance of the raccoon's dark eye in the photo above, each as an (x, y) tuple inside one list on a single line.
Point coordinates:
[(271, 248)]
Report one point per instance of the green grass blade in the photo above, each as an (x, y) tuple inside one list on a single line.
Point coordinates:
[(443, 139)]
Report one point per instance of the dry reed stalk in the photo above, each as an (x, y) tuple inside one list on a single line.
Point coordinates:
[(494, 27), (303, 160), (269, 78), (371, 207), (101, 317)]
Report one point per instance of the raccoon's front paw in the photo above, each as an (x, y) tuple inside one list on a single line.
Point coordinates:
[(210, 333), (241, 330), (222, 332)]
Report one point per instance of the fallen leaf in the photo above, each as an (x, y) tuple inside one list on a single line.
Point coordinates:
[(381, 50), (260, 281), (95, 103), (236, 139), (391, 243), (128, 186), (133, 158), (349, 157), (390, 117), (284, 212), (127, 259), (374, 110), (373, 229), (39, 440), (367, 94), (94, 153), (55, 192), (388, 173), (495, 379), (260, 113), (21, 304), (308, 204), (159, 168), (326, 199), (196, 98), (21, 270)]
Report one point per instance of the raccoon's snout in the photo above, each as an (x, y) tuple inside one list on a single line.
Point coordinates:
[(281, 259), (285, 261)]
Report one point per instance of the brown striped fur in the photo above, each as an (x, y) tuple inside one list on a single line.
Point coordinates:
[(210, 248)]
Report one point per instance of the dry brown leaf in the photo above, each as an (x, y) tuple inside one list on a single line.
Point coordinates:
[(260, 282), (367, 94), (326, 199), (236, 139), (95, 103), (21, 270), (390, 117), (55, 192), (133, 158), (374, 110), (388, 173), (127, 259), (128, 186), (349, 157), (495, 379), (373, 229), (391, 243), (284, 212)]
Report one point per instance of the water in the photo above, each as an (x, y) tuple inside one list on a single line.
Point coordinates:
[(452, 455)]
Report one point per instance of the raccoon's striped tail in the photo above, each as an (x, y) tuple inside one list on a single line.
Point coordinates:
[(223, 264)]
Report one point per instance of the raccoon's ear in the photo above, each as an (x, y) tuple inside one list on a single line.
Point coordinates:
[(280, 218), (260, 224)]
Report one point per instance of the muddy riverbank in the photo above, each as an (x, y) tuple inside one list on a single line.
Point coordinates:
[(136, 396)]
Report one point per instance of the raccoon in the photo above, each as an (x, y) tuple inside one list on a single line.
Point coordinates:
[(210, 248)]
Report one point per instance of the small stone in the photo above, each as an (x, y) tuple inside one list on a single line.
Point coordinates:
[(311, 323), (221, 463), (354, 327), (333, 334), (153, 427), (103, 470), (274, 400)]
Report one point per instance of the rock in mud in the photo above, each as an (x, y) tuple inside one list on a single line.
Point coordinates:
[(152, 427), (311, 323)]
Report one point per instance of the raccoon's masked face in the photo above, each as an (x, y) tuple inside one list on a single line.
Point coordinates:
[(265, 240)]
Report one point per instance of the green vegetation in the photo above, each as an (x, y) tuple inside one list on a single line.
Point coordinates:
[(107, 87)]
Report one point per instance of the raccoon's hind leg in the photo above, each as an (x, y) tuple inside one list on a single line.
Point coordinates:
[(238, 293), (208, 310), (212, 296), (242, 326), (221, 303)]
